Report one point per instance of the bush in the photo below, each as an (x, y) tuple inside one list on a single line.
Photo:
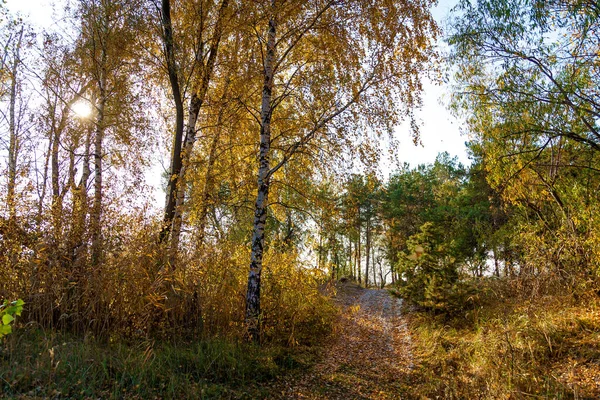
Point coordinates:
[(430, 275), (129, 294)]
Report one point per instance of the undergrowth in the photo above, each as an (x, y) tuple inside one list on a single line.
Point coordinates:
[(39, 364), (513, 346)]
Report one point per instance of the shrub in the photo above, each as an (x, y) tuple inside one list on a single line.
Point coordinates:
[(430, 275), (8, 312)]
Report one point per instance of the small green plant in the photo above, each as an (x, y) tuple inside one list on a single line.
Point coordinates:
[(8, 311)]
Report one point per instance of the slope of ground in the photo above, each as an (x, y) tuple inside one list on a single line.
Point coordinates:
[(369, 356), (513, 346)]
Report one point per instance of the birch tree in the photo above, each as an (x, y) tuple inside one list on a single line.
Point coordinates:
[(208, 18), (342, 64), (106, 47), (13, 131), (15, 112)]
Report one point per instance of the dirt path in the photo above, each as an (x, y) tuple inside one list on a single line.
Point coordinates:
[(370, 357)]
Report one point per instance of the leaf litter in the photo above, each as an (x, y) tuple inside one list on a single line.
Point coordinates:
[(368, 357)]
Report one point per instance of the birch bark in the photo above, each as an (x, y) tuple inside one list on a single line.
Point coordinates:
[(262, 194), (178, 135)]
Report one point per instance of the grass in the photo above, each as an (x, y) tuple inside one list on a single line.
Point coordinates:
[(37, 364), (511, 347)]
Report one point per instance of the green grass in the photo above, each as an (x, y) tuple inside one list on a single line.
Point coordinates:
[(41, 364)]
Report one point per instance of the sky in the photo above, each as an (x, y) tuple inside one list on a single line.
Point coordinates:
[(440, 130), (38, 12)]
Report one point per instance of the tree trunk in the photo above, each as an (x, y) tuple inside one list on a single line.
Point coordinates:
[(178, 135), (190, 135), (13, 149), (262, 195), (208, 183), (335, 267), (44, 186), (320, 246), (358, 257), (367, 251), (212, 157), (56, 197), (80, 208), (373, 266), (96, 214), (351, 265), (496, 264)]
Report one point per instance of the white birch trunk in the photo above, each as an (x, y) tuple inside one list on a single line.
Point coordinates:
[(262, 195)]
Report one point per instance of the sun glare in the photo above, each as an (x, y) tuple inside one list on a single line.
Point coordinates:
[(82, 109)]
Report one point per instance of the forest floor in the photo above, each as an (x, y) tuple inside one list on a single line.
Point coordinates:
[(510, 347), (369, 356)]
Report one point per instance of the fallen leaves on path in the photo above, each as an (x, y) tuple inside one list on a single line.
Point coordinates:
[(369, 356)]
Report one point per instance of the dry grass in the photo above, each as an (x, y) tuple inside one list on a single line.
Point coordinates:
[(130, 328), (514, 346), (132, 294)]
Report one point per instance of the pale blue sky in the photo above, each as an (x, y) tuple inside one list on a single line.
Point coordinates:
[(440, 131)]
